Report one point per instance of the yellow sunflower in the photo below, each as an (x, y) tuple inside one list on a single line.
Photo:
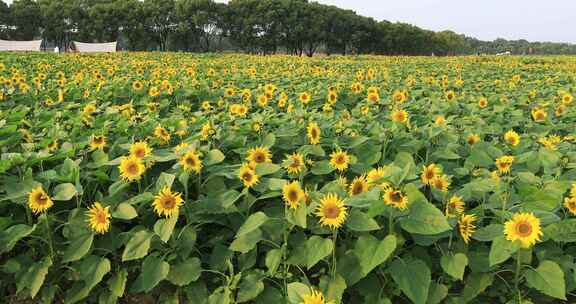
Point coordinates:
[(399, 116), (399, 97), (450, 95), (331, 211), (573, 190), (466, 226), (313, 133), (98, 142), (314, 297), (455, 206), (375, 175), (523, 227), (137, 85), (293, 194), (472, 139), (429, 173), (305, 97), (503, 163), (482, 102), (131, 168), (39, 201), (339, 160), (570, 204), (140, 149), (440, 182), (358, 185), (248, 175), (162, 134), (439, 120), (567, 99), (167, 203), (395, 198), (539, 114), (153, 91), (191, 162), (259, 155), (99, 218), (294, 163), (512, 138)]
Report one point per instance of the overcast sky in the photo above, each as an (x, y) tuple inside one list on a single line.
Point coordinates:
[(534, 20)]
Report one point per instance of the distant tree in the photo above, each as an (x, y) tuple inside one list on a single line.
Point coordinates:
[(26, 19), (159, 18), (5, 20)]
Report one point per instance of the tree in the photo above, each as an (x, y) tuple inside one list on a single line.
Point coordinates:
[(159, 20), (26, 20)]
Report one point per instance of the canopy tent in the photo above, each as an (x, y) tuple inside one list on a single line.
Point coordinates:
[(11, 46), (82, 47)]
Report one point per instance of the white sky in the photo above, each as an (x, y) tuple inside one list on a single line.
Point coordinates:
[(534, 20)]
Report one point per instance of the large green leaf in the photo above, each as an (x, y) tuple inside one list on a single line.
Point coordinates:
[(64, 192), (164, 227), (10, 236), (454, 264), (34, 278), (423, 218), (563, 231), (372, 252), (184, 273), (124, 211), (252, 223), (154, 270), (138, 246), (359, 221), (250, 287), (317, 248), (501, 250), (296, 292), (79, 246), (548, 278), (413, 277)]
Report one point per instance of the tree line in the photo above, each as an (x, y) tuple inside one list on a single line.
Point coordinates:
[(296, 27)]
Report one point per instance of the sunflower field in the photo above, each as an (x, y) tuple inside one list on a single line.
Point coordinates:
[(226, 178)]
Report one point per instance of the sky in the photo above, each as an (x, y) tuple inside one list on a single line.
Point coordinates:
[(533, 20)]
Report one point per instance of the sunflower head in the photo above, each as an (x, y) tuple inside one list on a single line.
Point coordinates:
[(523, 227), (292, 194), (466, 226), (131, 168), (570, 204), (512, 138), (429, 173), (395, 198), (167, 203), (331, 211), (140, 149), (454, 206), (305, 97), (98, 142), (358, 185), (339, 160), (313, 133), (482, 102), (314, 297), (247, 174), (440, 182), (472, 139), (191, 162), (39, 201), (99, 218), (294, 163), (162, 134), (259, 155), (539, 114), (399, 116), (450, 95), (503, 163), (374, 175)]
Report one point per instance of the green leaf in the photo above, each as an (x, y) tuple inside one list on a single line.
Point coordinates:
[(154, 270), (250, 287), (501, 250), (34, 277), (186, 272), (333, 288), (117, 283), (437, 293), (92, 270), (138, 246), (298, 216), (548, 278), (359, 221), (11, 236), (164, 227), (454, 265), (246, 242), (488, 233), (563, 231), (164, 180), (423, 218), (269, 140), (124, 211), (79, 247), (365, 199), (413, 277), (273, 259), (372, 252), (213, 157), (296, 291), (317, 248), (476, 283), (266, 169), (322, 167), (64, 192), (253, 222)]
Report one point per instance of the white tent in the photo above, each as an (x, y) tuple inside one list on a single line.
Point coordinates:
[(82, 47), (8, 45)]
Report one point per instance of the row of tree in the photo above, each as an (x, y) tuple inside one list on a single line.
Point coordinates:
[(257, 26)]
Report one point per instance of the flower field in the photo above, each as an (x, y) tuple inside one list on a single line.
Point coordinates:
[(181, 178)]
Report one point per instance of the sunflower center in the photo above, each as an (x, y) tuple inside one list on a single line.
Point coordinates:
[(100, 217), (340, 159), (190, 161), (396, 197), (259, 157), (314, 133), (524, 229), (139, 152), (429, 174), (168, 202), (293, 195), (41, 199), (132, 169), (331, 211), (357, 188), (247, 176)]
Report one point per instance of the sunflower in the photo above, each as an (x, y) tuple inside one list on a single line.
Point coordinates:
[(454, 206), (339, 160), (166, 203), (99, 218), (399, 97), (523, 227), (131, 168), (503, 163), (395, 198), (313, 133), (559, 111), (38, 200), (512, 138), (259, 155), (294, 163), (573, 190), (373, 97), (137, 85), (429, 173), (162, 134), (191, 162), (449, 95), (567, 99), (248, 175), (358, 185), (140, 149), (98, 142), (466, 226), (439, 120), (539, 114), (153, 91), (482, 102), (570, 204), (440, 182), (375, 175), (314, 297), (293, 194), (305, 97), (331, 211), (472, 139), (399, 116)]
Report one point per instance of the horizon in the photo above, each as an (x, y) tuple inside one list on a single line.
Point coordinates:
[(488, 20)]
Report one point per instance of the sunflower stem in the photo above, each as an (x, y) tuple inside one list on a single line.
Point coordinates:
[(517, 275), (284, 249), (391, 222), (334, 238), (50, 241)]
